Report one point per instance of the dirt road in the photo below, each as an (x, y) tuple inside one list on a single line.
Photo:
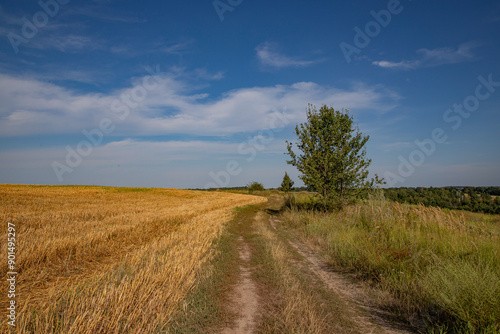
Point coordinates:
[(244, 297), (274, 271)]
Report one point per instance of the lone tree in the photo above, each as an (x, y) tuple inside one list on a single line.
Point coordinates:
[(286, 184), (333, 160)]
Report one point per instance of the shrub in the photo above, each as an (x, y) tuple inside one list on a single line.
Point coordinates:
[(255, 186)]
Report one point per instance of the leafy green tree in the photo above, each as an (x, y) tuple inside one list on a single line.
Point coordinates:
[(255, 186), (333, 158), (496, 205), (286, 184)]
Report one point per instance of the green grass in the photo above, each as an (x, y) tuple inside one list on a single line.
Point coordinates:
[(440, 264)]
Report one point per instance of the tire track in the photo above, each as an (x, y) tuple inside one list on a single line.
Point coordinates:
[(244, 297), (370, 319)]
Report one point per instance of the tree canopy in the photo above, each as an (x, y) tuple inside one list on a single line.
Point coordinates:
[(332, 158)]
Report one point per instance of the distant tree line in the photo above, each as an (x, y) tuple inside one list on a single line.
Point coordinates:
[(294, 189), (476, 199)]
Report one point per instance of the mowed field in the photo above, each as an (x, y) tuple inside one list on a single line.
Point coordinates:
[(108, 260)]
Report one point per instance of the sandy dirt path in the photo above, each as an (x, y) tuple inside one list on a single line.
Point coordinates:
[(244, 298), (245, 302)]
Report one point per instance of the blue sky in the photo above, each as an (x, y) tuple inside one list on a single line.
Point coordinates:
[(205, 93)]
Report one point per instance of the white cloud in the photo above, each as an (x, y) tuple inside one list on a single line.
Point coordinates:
[(404, 65), (31, 106), (268, 55), (448, 55), (434, 57)]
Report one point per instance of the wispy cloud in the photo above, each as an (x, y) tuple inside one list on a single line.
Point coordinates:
[(66, 43), (175, 48), (31, 106), (433, 57), (106, 14), (397, 146), (268, 55), (9, 19), (178, 48)]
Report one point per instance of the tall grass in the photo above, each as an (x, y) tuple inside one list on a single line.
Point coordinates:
[(297, 309), (108, 260), (442, 264)]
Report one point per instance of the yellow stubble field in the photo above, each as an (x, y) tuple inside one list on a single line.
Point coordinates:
[(107, 260)]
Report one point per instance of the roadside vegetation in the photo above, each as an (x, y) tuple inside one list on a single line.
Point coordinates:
[(109, 260), (442, 266)]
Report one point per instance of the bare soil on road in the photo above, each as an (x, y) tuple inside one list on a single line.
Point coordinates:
[(244, 297), (262, 305)]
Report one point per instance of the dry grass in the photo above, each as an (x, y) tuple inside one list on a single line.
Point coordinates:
[(297, 313), (442, 264), (301, 306), (108, 260)]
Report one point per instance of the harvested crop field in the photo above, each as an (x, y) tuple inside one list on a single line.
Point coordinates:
[(108, 260)]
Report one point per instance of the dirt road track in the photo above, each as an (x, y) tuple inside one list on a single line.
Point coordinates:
[(245, 299)]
